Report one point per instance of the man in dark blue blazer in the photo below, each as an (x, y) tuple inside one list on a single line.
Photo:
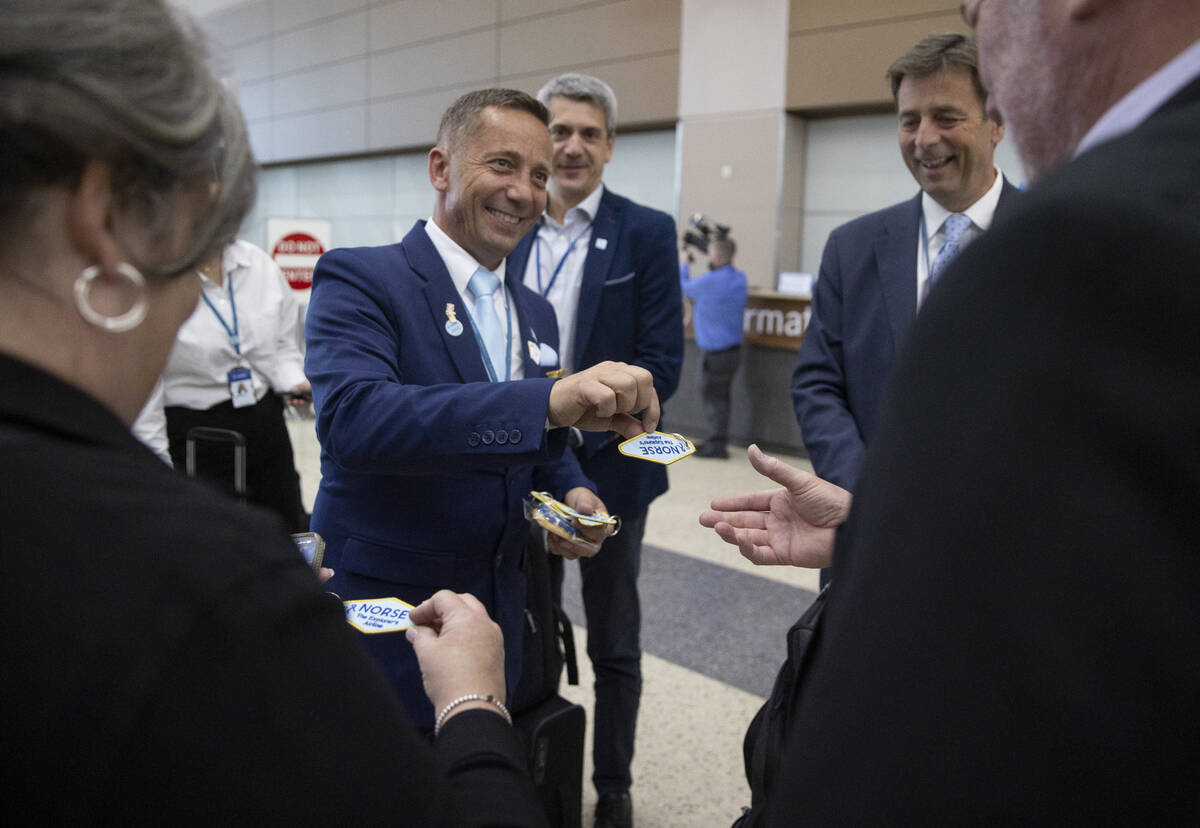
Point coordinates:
[(876, 268), (426, 451), (609, 268)]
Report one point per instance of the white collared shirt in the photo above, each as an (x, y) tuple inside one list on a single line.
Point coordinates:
[(462, 266), (553, 247), (197, 372), (980, 213), (1129, 112)]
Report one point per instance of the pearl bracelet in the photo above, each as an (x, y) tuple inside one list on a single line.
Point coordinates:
[(489, 698)]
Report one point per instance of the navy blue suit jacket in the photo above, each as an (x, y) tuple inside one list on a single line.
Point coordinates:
[(630, 310), (424, 462), (865, 301)]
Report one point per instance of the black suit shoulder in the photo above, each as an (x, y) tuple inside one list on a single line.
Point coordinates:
[(642, 219), (1024, 529), (171, 660)]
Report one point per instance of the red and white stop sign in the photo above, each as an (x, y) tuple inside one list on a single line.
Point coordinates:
[(297, 254)]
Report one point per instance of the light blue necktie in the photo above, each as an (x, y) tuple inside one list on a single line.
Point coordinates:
[(482, 285), (955, 226)]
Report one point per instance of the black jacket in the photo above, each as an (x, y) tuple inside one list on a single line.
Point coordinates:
[(168, 658)]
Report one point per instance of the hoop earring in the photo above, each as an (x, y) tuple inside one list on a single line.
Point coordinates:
[(127, 321)]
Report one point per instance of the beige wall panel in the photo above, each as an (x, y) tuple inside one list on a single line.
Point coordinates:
[(558, 42), (240, 24), (815, 14), (747, 198), (322, 88), (791, 201), (469, 59), (340, 38), (647, 88), (317, 134), (410, 122), (517, 9), (291, 14), (846, 67), (251, 62), (733, 59), (410, 21)]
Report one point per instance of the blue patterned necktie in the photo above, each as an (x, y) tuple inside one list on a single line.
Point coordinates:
[(482, 285), (955, 226)]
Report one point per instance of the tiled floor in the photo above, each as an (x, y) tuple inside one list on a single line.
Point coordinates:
[(712, 634)]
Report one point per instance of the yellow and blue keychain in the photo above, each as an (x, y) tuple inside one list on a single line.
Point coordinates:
[(560, 519)]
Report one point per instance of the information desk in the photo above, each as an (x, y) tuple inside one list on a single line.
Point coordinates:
[(771, 320)]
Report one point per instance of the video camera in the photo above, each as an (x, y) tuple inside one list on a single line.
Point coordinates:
[(706, 230)]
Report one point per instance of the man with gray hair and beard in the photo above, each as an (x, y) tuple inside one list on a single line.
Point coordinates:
[(1012, 633)]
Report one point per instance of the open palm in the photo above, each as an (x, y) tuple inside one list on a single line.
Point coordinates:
[(792, 525)]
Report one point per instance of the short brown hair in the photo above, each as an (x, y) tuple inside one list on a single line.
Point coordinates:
[(462, 118), (939, 53)]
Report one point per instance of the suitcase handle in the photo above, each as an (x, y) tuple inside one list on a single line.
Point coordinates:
[(219, 435)]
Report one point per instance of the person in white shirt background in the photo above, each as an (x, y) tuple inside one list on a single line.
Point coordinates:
[(235, 364)]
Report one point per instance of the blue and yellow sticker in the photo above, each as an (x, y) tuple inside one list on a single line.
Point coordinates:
[(378, 615), (658, 447)]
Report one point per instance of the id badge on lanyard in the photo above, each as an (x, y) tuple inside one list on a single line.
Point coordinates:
[(241, 387), (241, 381)]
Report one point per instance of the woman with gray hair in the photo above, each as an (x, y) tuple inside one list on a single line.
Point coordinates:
[(167, 656)]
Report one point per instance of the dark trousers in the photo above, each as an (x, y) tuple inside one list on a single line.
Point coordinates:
[(716, 376), (271, 478), (614, 621)]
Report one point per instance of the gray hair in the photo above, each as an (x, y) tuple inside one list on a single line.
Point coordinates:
[(585, 88), (125, 82)]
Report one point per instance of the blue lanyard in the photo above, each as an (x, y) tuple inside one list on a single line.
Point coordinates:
[(545, 291), (487, 358), (234, 339)]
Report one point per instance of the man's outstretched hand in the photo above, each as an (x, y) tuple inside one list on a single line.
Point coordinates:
[(793, 525)]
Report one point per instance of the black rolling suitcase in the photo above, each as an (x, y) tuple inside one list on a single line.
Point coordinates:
[(550, 727), (199, 434)]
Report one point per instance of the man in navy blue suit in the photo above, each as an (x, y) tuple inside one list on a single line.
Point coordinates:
[(877, 269), (609, 268), (428, 442)]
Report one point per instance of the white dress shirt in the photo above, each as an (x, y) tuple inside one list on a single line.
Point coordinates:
[(268, 317), (980, 213), (151, 425), (563, 247), (462, 267), (1127, 113)]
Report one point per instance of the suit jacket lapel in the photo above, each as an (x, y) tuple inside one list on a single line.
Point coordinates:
[(524, 331), (443, 299), (896, 259), (1008, 199), (596, 269), (518, 260)]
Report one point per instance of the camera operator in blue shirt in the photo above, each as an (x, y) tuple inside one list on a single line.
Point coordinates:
[(720, 298)]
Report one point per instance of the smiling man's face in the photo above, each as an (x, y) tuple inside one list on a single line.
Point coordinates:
[(492, 183), (946, 138), (582, 146)]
